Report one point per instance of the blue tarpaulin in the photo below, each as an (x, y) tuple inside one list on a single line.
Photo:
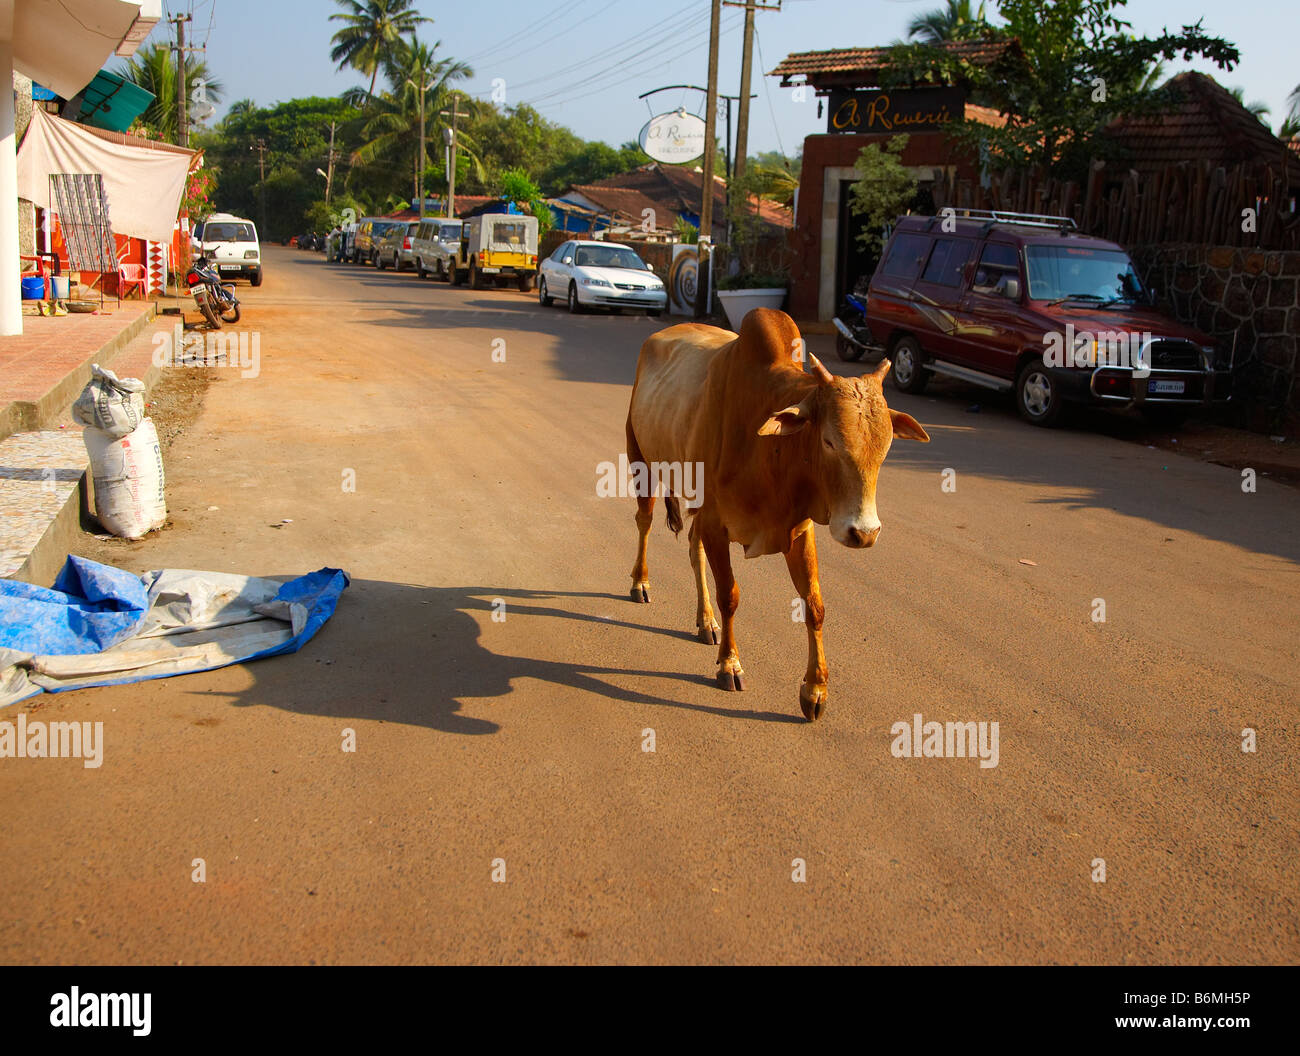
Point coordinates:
[(99, 625)]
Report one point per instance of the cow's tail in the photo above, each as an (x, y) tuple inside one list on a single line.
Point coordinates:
[(674, 507)]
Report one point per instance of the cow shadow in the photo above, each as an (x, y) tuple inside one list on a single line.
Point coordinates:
[(397, 652)]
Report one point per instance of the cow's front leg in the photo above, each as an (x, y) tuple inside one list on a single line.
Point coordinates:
[(718, 550), (802, 562), (706, 627)]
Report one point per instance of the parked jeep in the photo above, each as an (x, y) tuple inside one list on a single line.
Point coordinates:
[(1025, 303)]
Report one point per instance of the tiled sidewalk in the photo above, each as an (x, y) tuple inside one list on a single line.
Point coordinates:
[(39, 472), (49, 348)]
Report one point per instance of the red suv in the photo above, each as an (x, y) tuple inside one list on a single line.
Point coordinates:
[(1022, 302)]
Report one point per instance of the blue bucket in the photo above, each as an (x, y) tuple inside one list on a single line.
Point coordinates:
[(33, 288)]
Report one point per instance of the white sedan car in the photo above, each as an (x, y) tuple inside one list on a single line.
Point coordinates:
[(591, 274)]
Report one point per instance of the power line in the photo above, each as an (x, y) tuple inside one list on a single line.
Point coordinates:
[(627, 65), (619, 73), (767, 91)]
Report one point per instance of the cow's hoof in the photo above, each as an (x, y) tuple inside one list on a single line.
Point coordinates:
[(707, 632), (731, 679), (641, 592), (812, 701)]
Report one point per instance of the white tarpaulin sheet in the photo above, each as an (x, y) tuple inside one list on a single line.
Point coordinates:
[(144, 186)]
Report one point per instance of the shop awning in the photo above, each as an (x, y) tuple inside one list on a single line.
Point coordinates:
[(111, 101)]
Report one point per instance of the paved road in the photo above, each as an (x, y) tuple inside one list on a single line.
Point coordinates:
[(479, 739)]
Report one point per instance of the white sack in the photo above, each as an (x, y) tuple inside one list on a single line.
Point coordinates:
[(110, 404), (128, 475)]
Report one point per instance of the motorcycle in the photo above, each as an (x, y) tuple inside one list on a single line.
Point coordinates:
[(852, 337), (216, 300)]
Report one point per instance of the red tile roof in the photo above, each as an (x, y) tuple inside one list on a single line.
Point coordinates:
[(668, 190), (1209, 124), (861, 67)]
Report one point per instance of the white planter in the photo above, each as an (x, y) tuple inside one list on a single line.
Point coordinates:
[(739, 303)]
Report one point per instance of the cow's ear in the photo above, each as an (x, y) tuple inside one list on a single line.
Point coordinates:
[(784, 422), (908, 428)]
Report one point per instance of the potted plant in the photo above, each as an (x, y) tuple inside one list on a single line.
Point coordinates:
[(759, 282)]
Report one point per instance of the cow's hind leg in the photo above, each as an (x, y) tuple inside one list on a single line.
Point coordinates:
[(718, 551), (802, 562), (645, 508), (706, 627)]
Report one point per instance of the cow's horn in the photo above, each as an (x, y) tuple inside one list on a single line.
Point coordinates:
[(881, 370), (823, 375)]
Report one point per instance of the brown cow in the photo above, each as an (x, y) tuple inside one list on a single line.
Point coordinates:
[(780, 449)]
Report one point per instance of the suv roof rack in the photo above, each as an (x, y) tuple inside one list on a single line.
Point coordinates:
[(1064, 224)]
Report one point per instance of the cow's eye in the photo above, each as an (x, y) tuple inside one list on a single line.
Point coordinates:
[(829, 445)]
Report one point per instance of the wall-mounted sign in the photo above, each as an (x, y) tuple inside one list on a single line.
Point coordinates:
[(673, 138), (895, 110)]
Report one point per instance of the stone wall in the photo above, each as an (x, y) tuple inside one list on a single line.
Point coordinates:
[(23, 118), (1254, 295)]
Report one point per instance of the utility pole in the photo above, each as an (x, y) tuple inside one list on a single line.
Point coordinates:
[(329, 165), (746, 72), (182, 128), (702, 282), (260, 147), (422, 87), (454, 114)]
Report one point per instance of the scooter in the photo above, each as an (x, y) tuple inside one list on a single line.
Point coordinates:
[(216, 300), (852, 338)]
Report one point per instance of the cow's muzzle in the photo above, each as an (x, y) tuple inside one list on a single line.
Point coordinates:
[(859, 538)]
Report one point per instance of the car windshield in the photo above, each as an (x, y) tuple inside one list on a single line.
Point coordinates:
[(450, 232), (608, 257), (1070, 272), (219, 232)]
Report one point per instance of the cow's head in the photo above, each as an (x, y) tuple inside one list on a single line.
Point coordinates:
[(848, 428)]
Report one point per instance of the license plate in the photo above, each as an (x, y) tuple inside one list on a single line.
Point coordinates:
[(236, 267), (1171, 387), (491, 271)]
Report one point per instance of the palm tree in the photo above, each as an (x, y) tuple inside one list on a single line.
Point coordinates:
[(421, 88), (373, 30), (955, 22), (1258, 109), (153, 70)]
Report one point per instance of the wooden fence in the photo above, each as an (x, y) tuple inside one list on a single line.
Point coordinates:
[(1186, 203)]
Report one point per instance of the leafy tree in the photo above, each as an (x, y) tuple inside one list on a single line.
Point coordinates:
[(153, 70), (371, 32), (518, 187), (1077, 73), (956, 21), (883, 190)]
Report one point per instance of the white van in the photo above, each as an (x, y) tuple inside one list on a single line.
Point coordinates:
[(434, 247), (231, 246)]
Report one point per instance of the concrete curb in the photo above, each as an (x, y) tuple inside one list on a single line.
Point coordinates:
[(25, 416)]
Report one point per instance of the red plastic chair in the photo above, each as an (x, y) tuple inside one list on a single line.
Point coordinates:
[(128, 276)]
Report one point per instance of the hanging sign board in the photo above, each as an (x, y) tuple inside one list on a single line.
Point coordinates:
[(895, 110), (673, 138)]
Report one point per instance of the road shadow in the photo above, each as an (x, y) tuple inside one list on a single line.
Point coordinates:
[(397, 652)]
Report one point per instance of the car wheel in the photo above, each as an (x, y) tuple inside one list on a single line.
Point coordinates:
[(256, 280), (1165, 415), (908, 374), (542, 298), (575, 305), (475, 279), (525, 283), (419, 268), (380, 263), (397, 262), (1038, 397), (440, 272)]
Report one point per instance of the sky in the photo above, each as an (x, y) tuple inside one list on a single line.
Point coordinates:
[(583, 63)]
